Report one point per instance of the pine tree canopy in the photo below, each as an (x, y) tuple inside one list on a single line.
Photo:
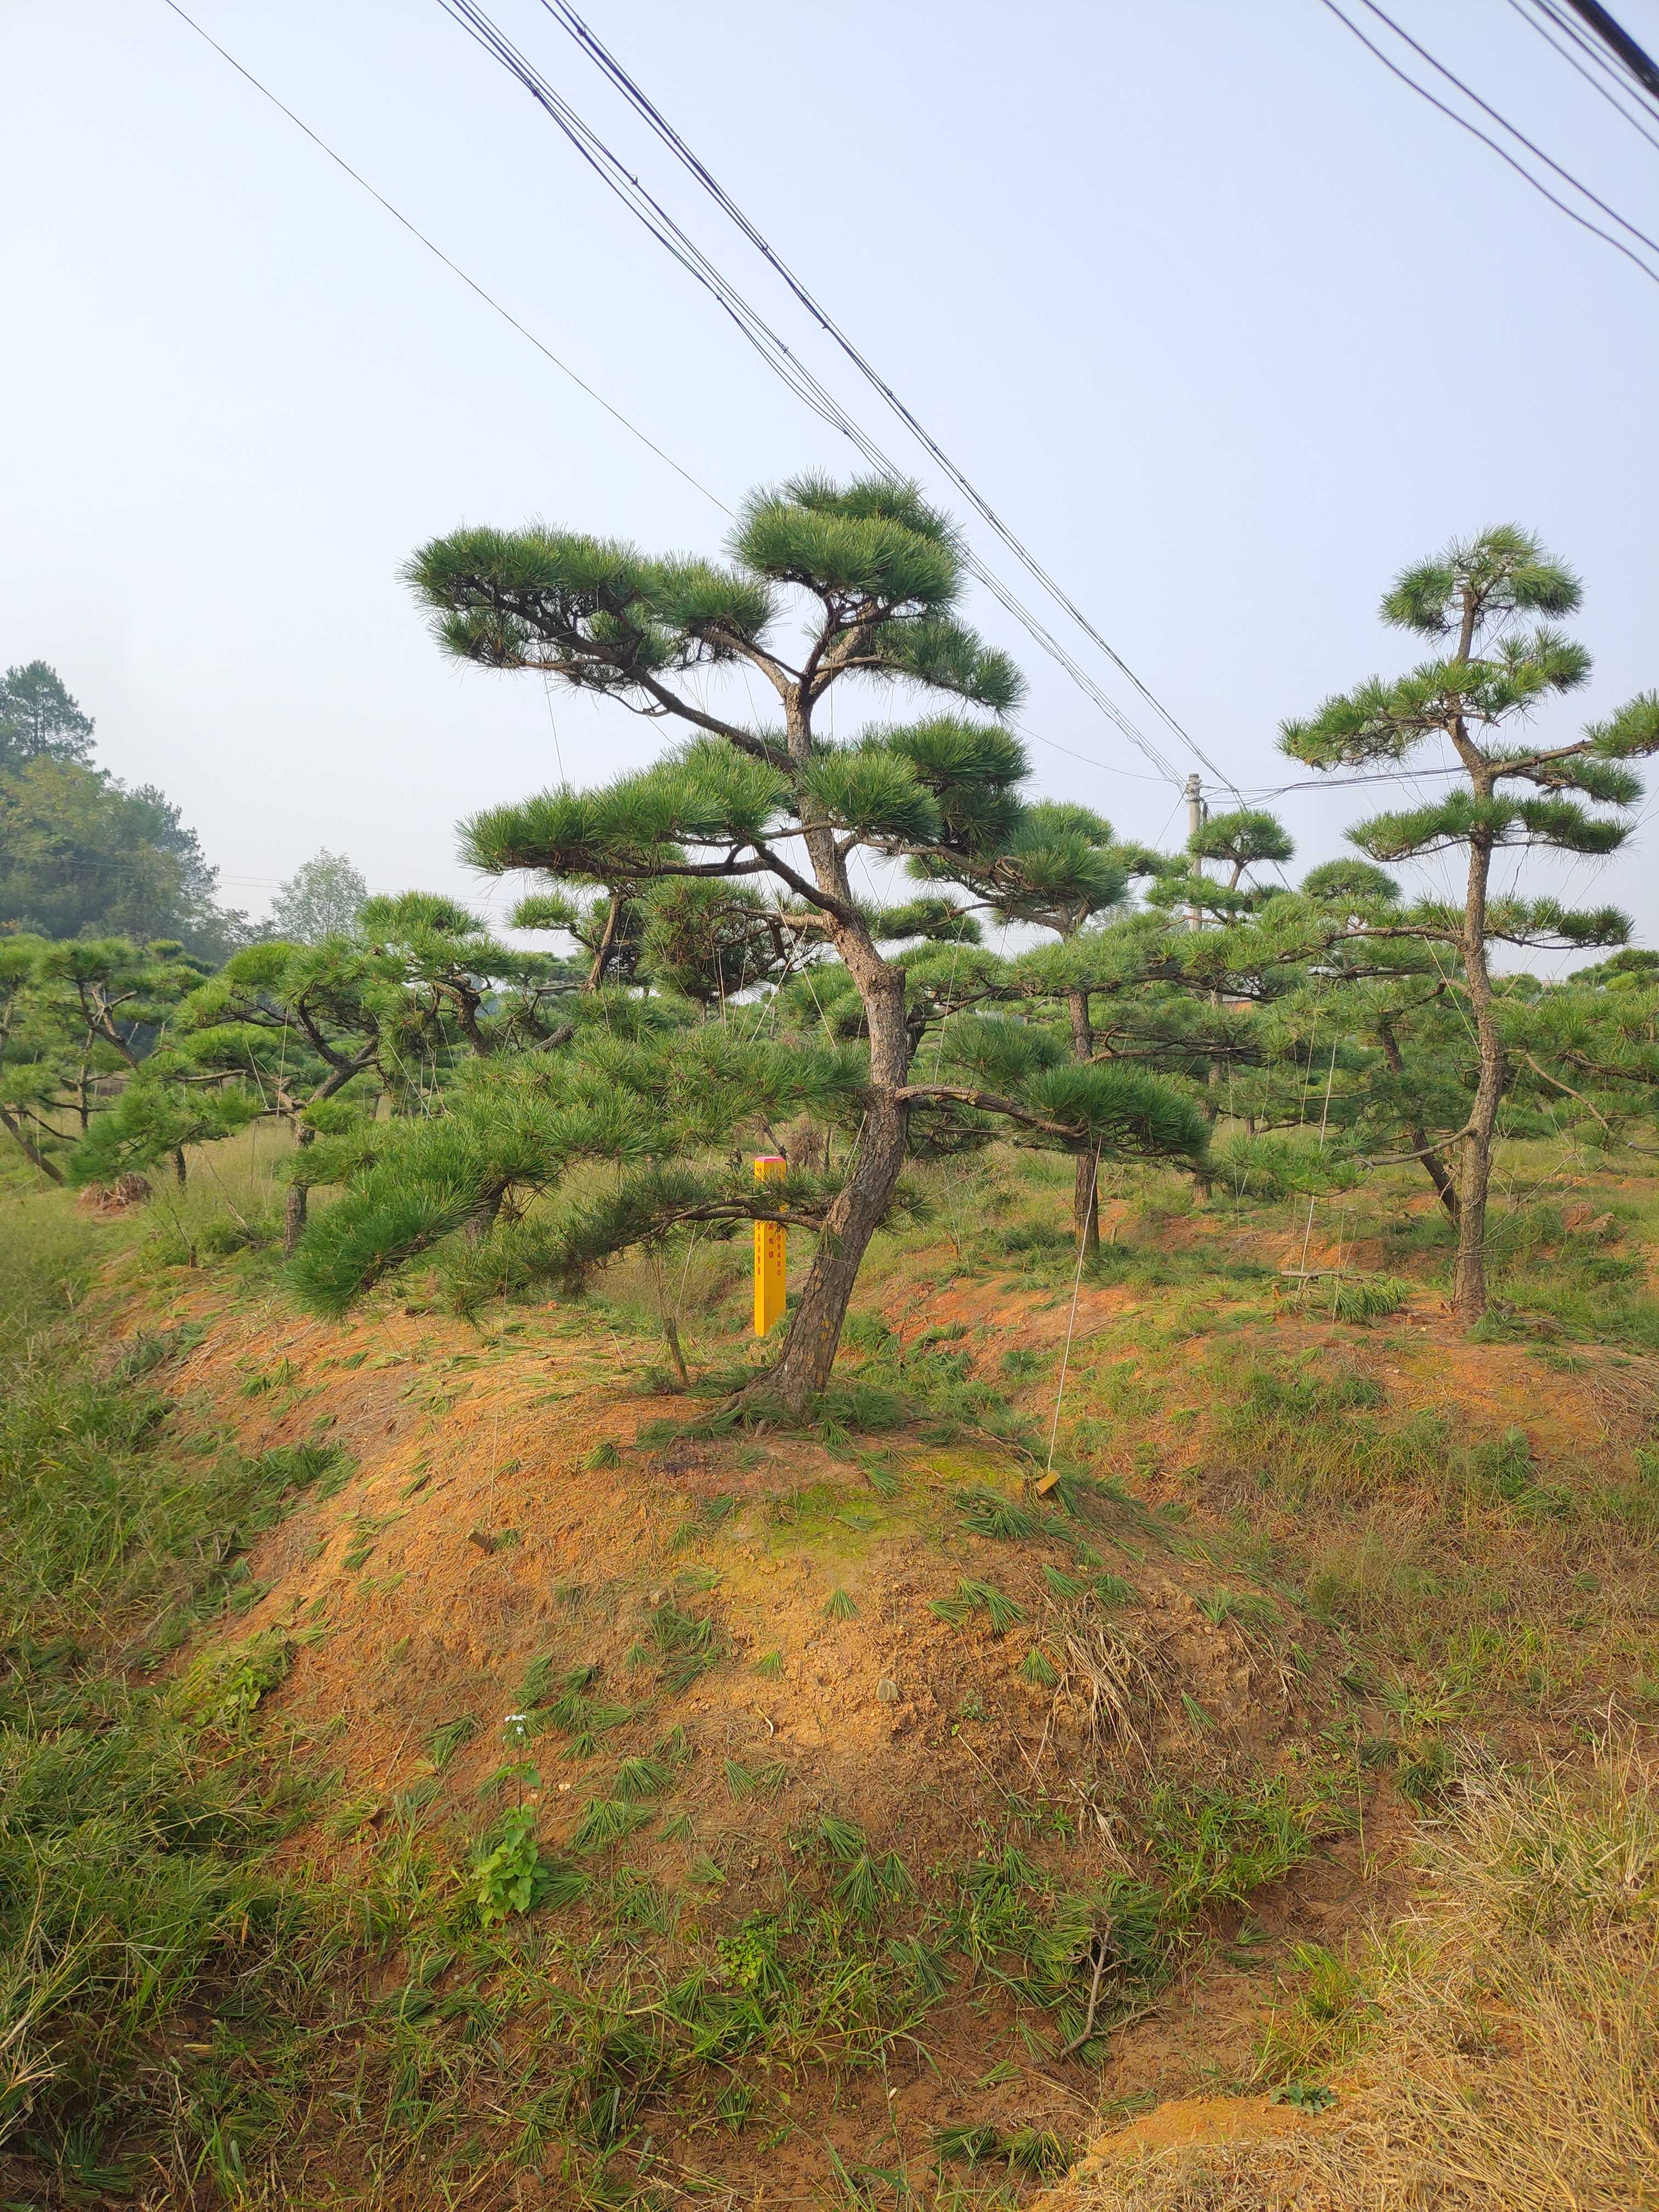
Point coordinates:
[(1140, 948), (884, 567), (1242, 839), (301, 1021), (710, 941), (1054, 864), (938, 918), (1497, 674), (38, 719), (1354, 885), (515, 1132), (635, 828), (1459, 817), (411, 916), (74, 1016), (1503, 571), (152, 1118)]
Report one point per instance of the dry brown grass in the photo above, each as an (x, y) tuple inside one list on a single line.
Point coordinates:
[(1112, 1688), (1516, 2067)]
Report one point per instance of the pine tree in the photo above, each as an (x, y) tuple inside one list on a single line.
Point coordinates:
[(455, 974), (1479, 697), (607, 929), (1061, 869), (1245, 839), (38, 719), (873, 574), (300, 1024), (75, 1019)]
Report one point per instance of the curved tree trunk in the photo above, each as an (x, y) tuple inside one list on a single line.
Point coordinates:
[(809, 1350), (1434, 1166), (483, 1216), (27, 1146)]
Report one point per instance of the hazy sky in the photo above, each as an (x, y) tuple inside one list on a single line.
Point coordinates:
[(1227, 322)]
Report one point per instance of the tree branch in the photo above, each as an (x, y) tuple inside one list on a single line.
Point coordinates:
[(987, 1101)]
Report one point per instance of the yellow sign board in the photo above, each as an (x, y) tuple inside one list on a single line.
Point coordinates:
[(771, 1263)]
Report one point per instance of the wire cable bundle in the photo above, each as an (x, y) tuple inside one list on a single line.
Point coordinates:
[(784, 362), (1647, 261)]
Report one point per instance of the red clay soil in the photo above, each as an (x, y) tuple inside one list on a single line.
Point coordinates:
[(1182, 2124), (477, 1534)]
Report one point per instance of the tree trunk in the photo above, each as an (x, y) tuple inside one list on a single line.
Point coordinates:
[(466, 1003), (670, 1337), (809, 1350), (293, 1220), (1437, 1172), (606, 945), (1433, 1166), (483, 1216), (1085, 1205), (294, 1213), (181, 1173), (30, 1150), (1474, 1176), (1085, 1189)]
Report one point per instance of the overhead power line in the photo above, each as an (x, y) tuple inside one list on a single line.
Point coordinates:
[(566, 16), (1538, 22), (779, 357), (454, 267), (1520, 136), (651, 445), (1595, 53), (1613, 35), (1475, 132)]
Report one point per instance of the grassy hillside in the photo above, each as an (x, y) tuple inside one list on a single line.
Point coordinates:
[(443, 1764)]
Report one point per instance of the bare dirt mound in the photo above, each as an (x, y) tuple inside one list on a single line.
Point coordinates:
[(933, 1780)]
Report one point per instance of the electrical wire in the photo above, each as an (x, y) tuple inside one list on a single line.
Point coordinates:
[(1167, 772), (1635, 60), (567, 18), (472, 17), (1538, 23), (1520, 136), (758, 333), (1342, 783), (1593, 53), (1503, 153), (455, 268)]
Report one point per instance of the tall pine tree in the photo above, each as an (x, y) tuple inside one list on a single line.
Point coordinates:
[(1480, 596), (870, 575)]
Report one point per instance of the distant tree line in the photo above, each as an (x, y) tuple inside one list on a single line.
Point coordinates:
[(83, 853)]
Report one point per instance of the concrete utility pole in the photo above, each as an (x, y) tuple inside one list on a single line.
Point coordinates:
[(1195, 812)]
